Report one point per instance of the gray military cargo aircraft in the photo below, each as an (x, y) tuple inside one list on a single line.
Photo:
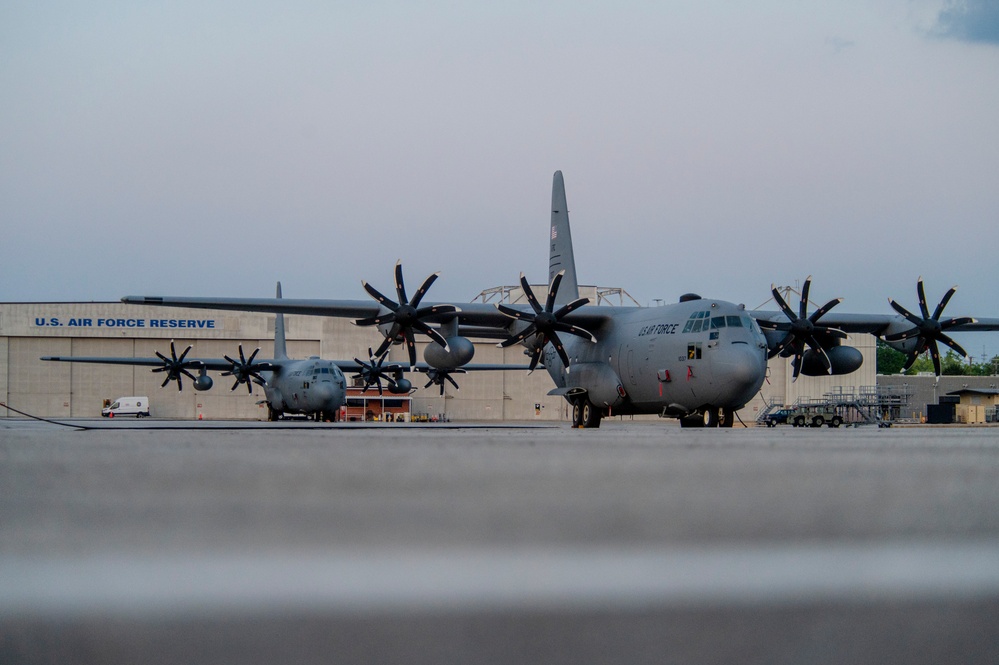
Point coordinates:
[(698, 360), (313, 387)]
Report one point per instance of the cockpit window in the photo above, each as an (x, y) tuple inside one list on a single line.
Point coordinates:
[(734, 321), (717, 322), (696, 324)]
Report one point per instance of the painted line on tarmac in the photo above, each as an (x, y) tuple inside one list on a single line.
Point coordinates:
[(458, 580)]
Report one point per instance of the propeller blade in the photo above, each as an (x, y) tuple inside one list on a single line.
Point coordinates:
[(906, 313), (814, 343), (560, 350), (922, 300), (949, 341), (514, 313), (423, 312), (796, 365), (388, 317), (822, 311), (553, 290), (779, 299), (943, 302), (574, 305), (410, 345), (516, 339), (898, 337), (377, 295), (781, 345), (386, 343), (422, 291), (959, 321), (575, 330), (535, 357), (431, 333), (935, 356), (400, 285), (529, 294), (803, 305)]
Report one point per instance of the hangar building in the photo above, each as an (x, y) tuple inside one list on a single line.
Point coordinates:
[(29, 331)]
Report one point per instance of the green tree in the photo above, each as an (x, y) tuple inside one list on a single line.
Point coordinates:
[(890, 361), (953, 365)]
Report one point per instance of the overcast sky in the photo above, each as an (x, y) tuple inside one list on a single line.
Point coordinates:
[(192, 148)]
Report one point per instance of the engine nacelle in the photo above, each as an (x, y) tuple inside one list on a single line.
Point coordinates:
[(460, 353), (842, 359), (203, 382), (401, 387)]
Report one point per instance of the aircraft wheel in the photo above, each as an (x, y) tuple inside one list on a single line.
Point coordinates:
[(272, 414), (711, 417), (591, 415), (577, 413), (726, 418)]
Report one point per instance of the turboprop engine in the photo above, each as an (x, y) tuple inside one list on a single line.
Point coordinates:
[(459, 352), (203, 382), (842, 360)]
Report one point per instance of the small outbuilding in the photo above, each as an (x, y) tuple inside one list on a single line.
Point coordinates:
[(976, 405)]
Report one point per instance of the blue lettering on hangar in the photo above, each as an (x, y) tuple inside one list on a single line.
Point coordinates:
[(55, 322)]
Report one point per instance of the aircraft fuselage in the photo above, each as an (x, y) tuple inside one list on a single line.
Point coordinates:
[(312, 386), (670, 360)]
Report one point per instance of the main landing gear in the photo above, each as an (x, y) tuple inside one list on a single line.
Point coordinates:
[(711, 417), (585, 414)]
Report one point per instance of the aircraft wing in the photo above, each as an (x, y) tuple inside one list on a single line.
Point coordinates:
[(174, 367), (352, 366), (482, 315), (220, 364), (876, 324)]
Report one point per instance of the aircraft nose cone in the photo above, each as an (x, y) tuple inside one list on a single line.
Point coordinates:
[(322, 393), (743, 367)]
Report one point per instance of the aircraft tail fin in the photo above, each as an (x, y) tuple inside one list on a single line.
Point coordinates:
[(280, 345), (561, 257)]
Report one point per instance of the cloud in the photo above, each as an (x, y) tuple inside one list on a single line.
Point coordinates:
[(970, 21)]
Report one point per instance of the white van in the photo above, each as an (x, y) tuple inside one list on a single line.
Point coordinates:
[(137, 406)]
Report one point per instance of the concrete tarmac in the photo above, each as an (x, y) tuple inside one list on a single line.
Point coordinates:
[(158, 542)]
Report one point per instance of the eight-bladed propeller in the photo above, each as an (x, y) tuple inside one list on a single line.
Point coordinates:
[(438, 376), (928, 329), (373, 371), (545, 322), (245, 370), (802, 329), (175, 366), (405, 315)]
